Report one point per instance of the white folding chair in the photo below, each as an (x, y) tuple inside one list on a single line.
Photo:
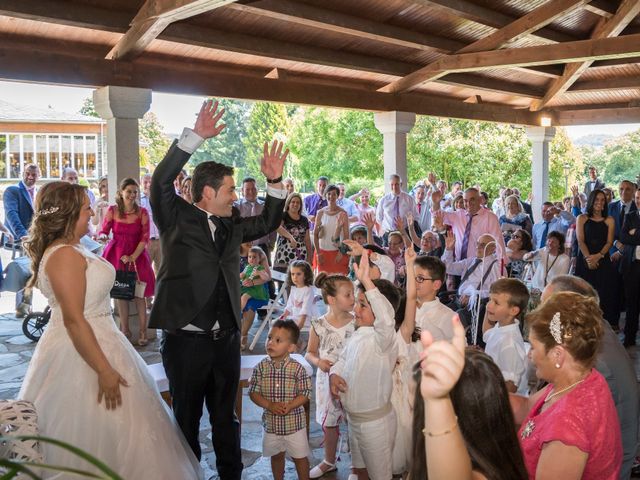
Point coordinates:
[(275, 307)]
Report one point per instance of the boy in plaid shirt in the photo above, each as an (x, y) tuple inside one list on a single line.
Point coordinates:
[(281, 386)]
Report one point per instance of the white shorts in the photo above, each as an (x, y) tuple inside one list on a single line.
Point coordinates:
[(296, 445), (371, 446)]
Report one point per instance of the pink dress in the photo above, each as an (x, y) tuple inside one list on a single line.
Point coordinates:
[(126, 237), (585, 418)]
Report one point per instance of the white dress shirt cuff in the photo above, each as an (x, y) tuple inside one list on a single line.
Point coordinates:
[(189, 141), (280, 193)]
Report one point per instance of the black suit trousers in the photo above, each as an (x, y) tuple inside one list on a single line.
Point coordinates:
[(206, 371), (631, 276)]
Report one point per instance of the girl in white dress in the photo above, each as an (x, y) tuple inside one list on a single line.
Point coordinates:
[(327, 338), (299, 306), (89, 386)]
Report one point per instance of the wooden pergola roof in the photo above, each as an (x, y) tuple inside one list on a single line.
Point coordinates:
[(515, 61)]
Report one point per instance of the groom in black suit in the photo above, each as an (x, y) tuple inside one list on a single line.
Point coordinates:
[(197, 300), (630, 237)]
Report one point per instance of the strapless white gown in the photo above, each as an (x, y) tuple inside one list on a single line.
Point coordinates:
[(140, 439)]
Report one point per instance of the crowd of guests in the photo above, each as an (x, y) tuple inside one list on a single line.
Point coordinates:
[(408, 285)]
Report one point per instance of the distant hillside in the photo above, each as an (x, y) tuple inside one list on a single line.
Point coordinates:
[(594, 140)]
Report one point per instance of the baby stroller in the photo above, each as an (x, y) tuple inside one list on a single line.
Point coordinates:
[(34, 323)]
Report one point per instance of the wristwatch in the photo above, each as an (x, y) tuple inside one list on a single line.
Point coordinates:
[(274, 180)]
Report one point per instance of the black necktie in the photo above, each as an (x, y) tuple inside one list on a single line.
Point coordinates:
[(623, 208), (222, 230)]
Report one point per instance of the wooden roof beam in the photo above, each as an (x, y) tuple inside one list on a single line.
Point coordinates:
[(309, 16), (153, 18), (603, 8), (617, 83), (597, 116), (627, 11), (485, 16), (581, 50), (533, 21)]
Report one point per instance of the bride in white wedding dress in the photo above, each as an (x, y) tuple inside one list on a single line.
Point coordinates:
[(89, 386)]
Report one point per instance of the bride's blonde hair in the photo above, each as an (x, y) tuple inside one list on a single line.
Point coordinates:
[(57, 209)]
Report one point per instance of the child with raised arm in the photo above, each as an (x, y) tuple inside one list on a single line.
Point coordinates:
[(299, 306), (281, 386), (362, 376), (327, 339), (508, 299)]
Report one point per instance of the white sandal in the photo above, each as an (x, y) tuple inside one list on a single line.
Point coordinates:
[(317, 471)]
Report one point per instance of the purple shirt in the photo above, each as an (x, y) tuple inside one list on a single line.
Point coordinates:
[(312, 204)]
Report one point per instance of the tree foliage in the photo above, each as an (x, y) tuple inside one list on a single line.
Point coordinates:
[(153, 142), (617, 160), (228, 147), (267, 121), (88, 108)]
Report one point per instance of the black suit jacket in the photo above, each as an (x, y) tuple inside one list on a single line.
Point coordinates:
[(599, 185), (630, 242), (190, 261)]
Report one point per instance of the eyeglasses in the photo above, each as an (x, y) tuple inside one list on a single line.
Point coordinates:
[(420, 279)]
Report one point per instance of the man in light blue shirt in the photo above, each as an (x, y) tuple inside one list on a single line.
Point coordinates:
[(347, 204), (553, 220)]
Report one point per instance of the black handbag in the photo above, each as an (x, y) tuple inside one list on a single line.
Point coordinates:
[(124, 287)]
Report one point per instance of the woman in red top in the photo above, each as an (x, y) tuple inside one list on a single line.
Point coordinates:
[(130, 225), (572, 432)]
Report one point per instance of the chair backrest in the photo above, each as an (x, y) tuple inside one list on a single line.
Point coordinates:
[(19, 417)]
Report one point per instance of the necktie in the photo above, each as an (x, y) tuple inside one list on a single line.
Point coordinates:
[(543, 239), (419, 208), (32, 192), (221, 233), (396, 207), (465, 238), (623, 211), (253, 209), (470, 270)]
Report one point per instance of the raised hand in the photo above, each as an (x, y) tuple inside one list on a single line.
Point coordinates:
[(272, 163), (362, 269), (431, 178), (399, 221), (436, 197), (574, 190), (369, 220), (409, 256), (410, 219), (442, 362), (355, 248), (450, 240), (207, 122)]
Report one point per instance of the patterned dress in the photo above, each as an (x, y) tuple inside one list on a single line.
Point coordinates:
[(331, 342), (285, 253)]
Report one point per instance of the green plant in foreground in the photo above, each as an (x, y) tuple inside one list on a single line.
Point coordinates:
[(10, 468)]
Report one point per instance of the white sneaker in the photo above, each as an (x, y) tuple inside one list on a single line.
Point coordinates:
[(352, 476)]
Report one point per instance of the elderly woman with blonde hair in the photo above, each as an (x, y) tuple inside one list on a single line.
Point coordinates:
[(572, 430)]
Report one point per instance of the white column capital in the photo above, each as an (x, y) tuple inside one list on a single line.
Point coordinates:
[(394, 122), (121, 102), (540, 134)]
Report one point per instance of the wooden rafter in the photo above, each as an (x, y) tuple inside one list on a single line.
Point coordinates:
[(627, 11), (531, 22), (603, 8), (153, 18), (581, 50), (616, 83), (492, 18)]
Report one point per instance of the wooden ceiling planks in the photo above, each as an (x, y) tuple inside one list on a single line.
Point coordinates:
[(339, 52)]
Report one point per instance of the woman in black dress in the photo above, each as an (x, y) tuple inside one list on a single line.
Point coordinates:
[(594, 231), (294, 240)]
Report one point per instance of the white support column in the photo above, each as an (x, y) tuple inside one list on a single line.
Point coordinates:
[(540, 138), (394, 127), (121, 107)]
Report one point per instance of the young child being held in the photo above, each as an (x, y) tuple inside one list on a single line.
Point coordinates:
[(508, 298), (254, 277), (299, 306), (326, 342), (281, 386), (362, 376)]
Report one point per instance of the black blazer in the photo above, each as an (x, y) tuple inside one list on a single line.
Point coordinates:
[(190, 261), (630, 242)]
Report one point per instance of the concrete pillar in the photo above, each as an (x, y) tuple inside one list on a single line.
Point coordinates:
[(540, 138), (394, 127), (121, 107)]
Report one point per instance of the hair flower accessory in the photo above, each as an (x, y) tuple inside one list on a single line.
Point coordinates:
[(555, 327), (48, 211)]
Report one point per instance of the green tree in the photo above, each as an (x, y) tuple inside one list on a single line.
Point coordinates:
[(88, 108), (267, 122), (621, 156), (153, 142), (228, 147)]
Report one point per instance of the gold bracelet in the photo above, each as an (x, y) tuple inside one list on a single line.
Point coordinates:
[(439, 434)]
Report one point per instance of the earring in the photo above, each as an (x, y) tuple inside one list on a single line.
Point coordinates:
[(557, 365)]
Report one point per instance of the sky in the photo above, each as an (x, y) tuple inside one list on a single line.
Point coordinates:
[(177, 111)]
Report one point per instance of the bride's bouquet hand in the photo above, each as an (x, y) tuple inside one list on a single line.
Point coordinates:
[(109, 387)]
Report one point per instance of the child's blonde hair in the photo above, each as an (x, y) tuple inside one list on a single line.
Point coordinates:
[(261, 255)]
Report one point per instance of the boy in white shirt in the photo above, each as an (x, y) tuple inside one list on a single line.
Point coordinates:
[(362, 376), (508, 298)]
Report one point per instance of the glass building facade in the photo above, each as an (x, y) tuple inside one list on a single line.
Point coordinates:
[(52, 152)]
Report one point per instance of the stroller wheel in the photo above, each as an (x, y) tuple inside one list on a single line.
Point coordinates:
[(33, 325)]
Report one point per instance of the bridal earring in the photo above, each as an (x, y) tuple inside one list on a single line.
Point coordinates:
[(557, 365)]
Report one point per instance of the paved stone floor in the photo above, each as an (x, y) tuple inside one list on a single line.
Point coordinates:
[(16, 351)]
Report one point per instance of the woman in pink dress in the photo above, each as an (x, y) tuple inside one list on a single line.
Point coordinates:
[(572, 431), (127, 249)]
